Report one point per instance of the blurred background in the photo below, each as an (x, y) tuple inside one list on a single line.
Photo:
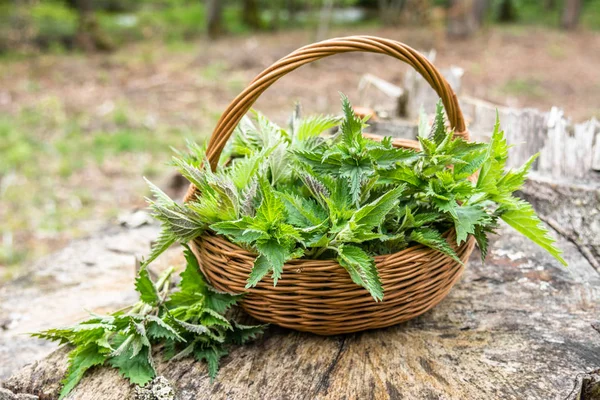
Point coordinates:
[(93, 93)]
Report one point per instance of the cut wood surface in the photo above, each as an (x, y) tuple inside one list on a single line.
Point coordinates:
[(518, 327)]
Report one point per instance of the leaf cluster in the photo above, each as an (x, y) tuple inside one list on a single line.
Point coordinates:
[(303, 192), (188, 322)]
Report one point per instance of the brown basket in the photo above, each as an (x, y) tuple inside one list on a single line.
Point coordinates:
[(318, 295)]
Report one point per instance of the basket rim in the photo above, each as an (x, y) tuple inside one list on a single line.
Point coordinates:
[(418, 249)]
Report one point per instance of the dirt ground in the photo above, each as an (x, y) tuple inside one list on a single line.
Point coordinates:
[(165, 93)]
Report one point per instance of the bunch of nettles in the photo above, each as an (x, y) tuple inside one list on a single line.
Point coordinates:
[(190, 322), (295, 193)]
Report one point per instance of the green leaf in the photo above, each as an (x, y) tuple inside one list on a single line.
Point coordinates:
[(159, 329), (80, 360), (313, 126), (259, 270), (240, 230), (432, 238), (271, 209), (139, 369), (146, 288), (522, 217), (220, 301), (493, 166), (361, 268), (244, 333), (438, 129), (514, 180), (303, 212), (211, 355), (351, 127), (467, 218), (373, 214), (192, 280), (276, 254)]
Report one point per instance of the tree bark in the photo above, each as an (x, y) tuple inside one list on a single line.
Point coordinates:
[(507, 11), (89, 37), (464, 18), (549, 5), (571, 14), (214, 18), (324, 19), (390, 10), (251, 15)]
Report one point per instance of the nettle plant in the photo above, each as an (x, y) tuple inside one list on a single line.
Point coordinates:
[(190, 321), (294, 193)]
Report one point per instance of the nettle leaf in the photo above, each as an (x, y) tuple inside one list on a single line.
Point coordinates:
[(493, 166), (361, 268), (159, 329), (356, 173), (512, 181), (220, 301), (303, 212), (373, 214), (80, 360), (145, 287), (309, 127), (521, 216), (211, 355), (351, 127), (438, 129), (432, 238), (467, 219), (388, 158), (276, 255), (138, 368), (241, 230), (259, 270), (244, 333)]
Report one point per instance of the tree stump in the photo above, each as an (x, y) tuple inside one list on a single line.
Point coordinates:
[(519, 327)]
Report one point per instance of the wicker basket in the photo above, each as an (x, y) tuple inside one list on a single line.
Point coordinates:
[(318, 295)]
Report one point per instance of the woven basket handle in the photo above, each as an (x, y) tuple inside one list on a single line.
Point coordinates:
[(313, 52)]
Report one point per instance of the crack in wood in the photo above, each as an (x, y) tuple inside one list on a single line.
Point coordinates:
[(324, 381), (583, 250)]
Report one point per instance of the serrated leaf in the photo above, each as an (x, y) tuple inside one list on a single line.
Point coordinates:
[(522, 217), (432, 238), (493, 166), (361, 268), (158, 329), (80, 360), (351, 127), (372, 214), (244, 333), (139, 369), (220, 301), (259, 270), (276, 254), (303, 212), (211, 355), (467, 218), (313, 126), (438, 129), (146, 288)]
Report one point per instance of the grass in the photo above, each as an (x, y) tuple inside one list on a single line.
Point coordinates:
[(56, 173), (523, 87)]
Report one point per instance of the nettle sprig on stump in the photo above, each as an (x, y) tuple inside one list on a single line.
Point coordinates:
[(187, 322), (294, 193)]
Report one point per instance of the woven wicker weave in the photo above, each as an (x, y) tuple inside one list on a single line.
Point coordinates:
[(318, 295)]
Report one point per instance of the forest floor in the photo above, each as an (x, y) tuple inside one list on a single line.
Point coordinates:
[(78, 132)]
